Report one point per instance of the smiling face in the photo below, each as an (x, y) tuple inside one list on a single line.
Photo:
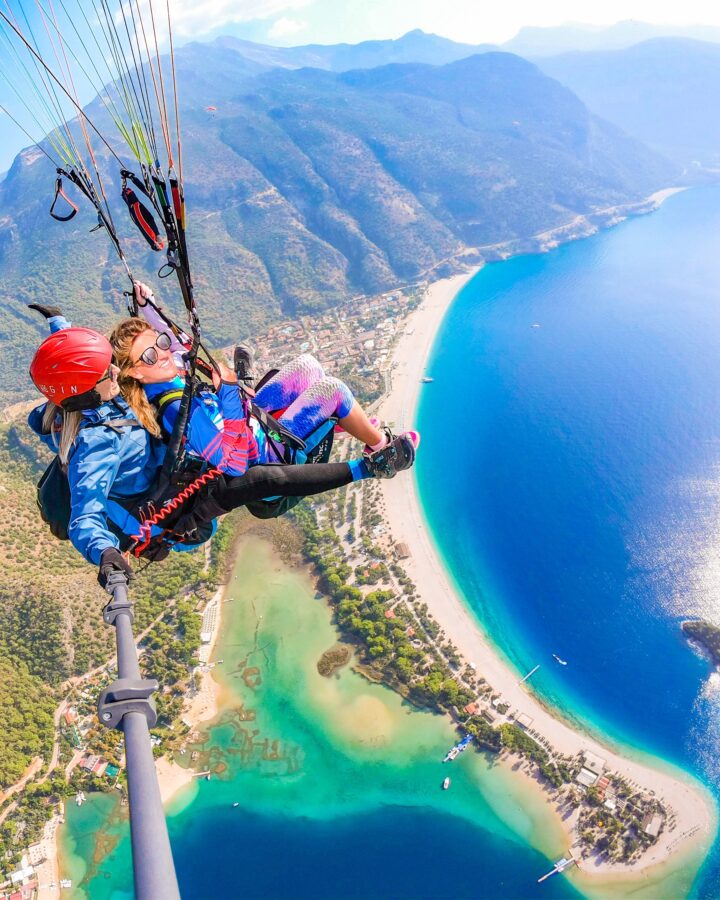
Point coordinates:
[(163, 370)]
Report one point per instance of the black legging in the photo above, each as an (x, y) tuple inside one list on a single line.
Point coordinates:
[(282, 481), (259, 482)]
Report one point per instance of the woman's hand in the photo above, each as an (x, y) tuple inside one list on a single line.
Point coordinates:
[(226, 374), (142, 293)]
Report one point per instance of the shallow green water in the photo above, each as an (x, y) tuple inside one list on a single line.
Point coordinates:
[(319, 751)]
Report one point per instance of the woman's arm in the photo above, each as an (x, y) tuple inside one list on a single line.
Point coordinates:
[(231, 450), (35, 423), (92, 469)]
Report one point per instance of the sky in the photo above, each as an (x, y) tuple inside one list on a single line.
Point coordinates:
[(295, 22), (289, 22)]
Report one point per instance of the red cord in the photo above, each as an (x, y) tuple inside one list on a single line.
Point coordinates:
[(142, 540)]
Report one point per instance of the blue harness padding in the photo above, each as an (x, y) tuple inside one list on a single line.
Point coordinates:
[(318, 445)]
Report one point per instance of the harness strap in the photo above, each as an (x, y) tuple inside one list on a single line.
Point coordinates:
[(142, 217), (162, 401), (116, 424), (59, 192), (276, 431)]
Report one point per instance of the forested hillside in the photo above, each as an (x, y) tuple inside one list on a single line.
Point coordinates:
[(308, 187), (51, 625)]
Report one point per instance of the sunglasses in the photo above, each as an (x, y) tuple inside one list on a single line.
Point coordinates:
[(112, 374), (150, 356)]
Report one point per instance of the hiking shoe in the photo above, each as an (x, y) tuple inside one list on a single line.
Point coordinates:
[(243, 360), (389, 436), (396, 456)]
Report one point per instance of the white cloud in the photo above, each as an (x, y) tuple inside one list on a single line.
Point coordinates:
[(193, 18), (284, 27)]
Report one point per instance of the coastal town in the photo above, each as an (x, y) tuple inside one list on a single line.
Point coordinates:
[(381, 612), (400, 622)]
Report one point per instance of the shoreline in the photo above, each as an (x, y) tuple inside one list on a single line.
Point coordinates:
[(202, 706), (581, 226), (695, 815), (173, 779)]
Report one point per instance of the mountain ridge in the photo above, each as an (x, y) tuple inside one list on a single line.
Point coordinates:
[(660, 91), (414, 46), (307, 187)]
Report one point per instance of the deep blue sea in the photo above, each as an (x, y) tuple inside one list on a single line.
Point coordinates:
[(395, 853), (580, 467)]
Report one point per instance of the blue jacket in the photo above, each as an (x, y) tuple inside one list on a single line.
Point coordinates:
[(105, 465)]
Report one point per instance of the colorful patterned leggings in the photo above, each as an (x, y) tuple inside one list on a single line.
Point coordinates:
[(307, 395)]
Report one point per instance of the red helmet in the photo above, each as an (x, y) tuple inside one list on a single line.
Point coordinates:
[(69, 363)]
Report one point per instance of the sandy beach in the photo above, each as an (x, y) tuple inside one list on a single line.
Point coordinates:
[(201, 707), (696, 821), (48, 871), (172, 778)]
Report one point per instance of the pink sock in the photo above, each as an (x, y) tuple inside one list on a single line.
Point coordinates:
[(414, 437)]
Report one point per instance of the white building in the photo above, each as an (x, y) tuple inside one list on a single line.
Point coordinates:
[(593, 762), (586, 778)]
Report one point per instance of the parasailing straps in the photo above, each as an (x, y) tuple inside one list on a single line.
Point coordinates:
[(51, 51)]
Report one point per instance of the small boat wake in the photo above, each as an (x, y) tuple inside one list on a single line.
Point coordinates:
[(557, 659)]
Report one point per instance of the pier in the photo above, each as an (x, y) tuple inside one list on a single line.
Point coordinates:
[(458, 748), (560, 866), (529, 675)]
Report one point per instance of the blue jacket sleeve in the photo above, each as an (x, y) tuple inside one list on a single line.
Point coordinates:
[(231, 405), (92, 469), (58, 323), (35, 423)]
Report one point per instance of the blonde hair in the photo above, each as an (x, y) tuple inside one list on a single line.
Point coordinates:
[(69, 427), (122, 338)]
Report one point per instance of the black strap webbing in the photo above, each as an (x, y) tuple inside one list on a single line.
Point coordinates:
[(116, 424), (59, 192)]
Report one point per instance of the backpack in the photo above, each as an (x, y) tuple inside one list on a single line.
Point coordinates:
[(53, 489), (53, 499)]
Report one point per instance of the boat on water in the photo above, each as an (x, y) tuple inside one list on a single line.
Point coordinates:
[(426, 380), (458, 748), (235, 804), (80, 798), (535, 325), (446, 783), (562, 662)]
